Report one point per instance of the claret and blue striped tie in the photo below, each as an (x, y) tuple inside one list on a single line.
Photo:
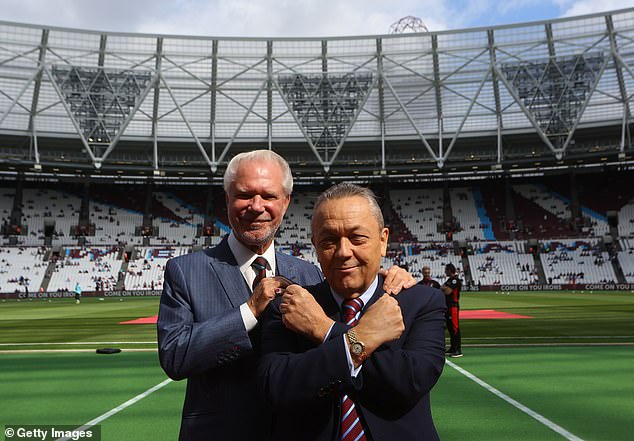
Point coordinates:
[(351, 427)]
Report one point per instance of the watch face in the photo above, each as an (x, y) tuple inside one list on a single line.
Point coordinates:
[(356, 348)]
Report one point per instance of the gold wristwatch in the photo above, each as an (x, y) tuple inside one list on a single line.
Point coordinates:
[(357, 347)]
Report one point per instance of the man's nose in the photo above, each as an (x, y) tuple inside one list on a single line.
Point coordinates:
[(343, 248), (257, 203)]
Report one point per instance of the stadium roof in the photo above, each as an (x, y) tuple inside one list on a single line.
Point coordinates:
[(553, 93)]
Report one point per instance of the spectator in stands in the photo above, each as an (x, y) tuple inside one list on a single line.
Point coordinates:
[(451, 289), (212, 300), (427, 280)]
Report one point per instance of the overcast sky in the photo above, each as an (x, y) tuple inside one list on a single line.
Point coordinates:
[(288, 18)]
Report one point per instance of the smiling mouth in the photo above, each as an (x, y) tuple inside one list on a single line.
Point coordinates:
[(346, 269)]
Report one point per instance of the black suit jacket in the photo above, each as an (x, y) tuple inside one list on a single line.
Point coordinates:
[(304, 382), (202, 337)]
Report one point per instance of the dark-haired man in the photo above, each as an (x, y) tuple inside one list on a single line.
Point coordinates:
[(451, 289), (342, 360)]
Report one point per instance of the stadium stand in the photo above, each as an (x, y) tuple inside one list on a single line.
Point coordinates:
[(95, 269), (576, 261), (180, 228), (534, 222), (542, 197), (626, 220), (626, 260), (414, 257), (40, 205), (480, 210), (22, 269), (113, 225), (474, 223), (421, 211), (6, 203), (295, 227), (502, 263), (146, 271)]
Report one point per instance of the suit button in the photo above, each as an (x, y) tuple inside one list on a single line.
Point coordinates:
[(322, 392), (339, 382)]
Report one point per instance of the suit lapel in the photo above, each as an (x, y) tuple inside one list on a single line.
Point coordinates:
[(378, 292), (226, 268), (285, 266), (324, 297)]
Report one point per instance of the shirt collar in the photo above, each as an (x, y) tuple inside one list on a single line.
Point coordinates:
[(365, 297), (244, 256)]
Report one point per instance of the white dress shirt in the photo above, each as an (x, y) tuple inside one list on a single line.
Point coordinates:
[(365, 298), (245, 257)]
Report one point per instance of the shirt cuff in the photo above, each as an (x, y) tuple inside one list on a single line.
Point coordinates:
[(248, 318), (328, 333), (354, 372)]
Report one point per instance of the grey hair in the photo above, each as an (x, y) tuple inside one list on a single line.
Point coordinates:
[(258, 155), (346, 190)]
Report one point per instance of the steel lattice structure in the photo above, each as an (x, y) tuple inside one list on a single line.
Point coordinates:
[(89, 101)]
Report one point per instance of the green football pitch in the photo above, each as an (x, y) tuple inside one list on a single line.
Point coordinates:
[(565, 373)]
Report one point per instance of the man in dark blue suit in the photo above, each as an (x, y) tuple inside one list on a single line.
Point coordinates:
[(208, 325), (342, 360)]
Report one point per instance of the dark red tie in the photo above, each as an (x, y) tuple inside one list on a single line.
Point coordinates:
[(351, 427), (259, 265)]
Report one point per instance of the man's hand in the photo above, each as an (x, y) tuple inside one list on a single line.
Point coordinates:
[(396, 279), (264, 292), (381, 323), (302, 314)]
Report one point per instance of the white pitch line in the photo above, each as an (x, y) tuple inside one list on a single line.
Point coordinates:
[(561, 337), (120, 407), (82, 343), (542, 419)]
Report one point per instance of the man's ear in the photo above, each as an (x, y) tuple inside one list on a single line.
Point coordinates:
[(385, 234)]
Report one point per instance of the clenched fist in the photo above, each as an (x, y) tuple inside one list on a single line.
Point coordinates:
[(381, 323), (302, 314), (264, 292)]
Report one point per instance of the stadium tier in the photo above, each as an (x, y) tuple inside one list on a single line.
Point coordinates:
[(505, 150), (532, 237)]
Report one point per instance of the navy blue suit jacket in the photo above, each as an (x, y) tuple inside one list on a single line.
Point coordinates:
[(304, 382), (202, 337)]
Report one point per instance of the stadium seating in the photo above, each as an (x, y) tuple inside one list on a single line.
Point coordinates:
[(44, 204), (176, 232), (295, 227), (542, 197), (421, 211), (113, 225), (95, 269), (559, 206), (502, 263), (465, 211), (6, 203), (22, 263), (626, 220), (414, 257), (577, 261), (146, 271)]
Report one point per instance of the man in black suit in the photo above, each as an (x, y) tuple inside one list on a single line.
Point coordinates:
[(209, 316), (341, 359)]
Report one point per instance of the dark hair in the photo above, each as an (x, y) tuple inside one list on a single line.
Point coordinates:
[(451, 267), (345, 190)]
